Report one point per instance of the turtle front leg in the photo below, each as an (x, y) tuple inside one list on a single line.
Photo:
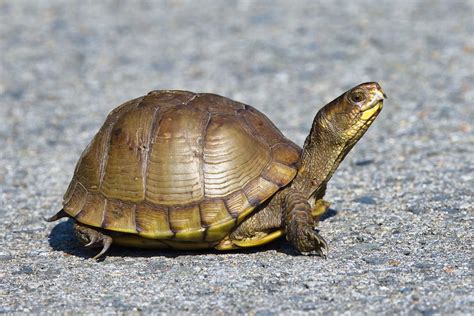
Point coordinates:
[(299, 225), (93, 238)]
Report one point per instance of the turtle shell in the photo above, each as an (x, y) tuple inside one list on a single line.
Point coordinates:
[(179, 166)]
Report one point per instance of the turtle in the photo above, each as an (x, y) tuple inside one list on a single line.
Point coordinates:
[(176, 169)]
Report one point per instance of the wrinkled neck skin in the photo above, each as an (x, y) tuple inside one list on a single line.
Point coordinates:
[(323, 151)]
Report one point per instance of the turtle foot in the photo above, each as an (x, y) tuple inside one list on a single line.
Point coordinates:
[(93, 238), (305, 238), (314, 243)]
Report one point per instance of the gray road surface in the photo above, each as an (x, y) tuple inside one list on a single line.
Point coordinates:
[(400, 227)]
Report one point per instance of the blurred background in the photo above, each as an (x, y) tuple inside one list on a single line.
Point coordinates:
[(65, 64)]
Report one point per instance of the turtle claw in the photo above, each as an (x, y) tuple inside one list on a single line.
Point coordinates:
[(319, 245), (306, 239), (320, 253), (106, 242), (93, 238), (322, 242)]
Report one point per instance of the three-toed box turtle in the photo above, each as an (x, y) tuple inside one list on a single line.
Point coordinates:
[(184, 170)]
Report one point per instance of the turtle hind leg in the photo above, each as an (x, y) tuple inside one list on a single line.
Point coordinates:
[(93, 238)]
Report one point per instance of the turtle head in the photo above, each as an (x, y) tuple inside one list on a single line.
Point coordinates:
[(336, 129), (347, 118)]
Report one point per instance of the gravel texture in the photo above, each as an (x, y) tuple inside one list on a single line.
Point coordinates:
[(400, 228)]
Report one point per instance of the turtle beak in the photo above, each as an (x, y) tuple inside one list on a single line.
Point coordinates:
[(380, 95), (373, 107), (377, 96)]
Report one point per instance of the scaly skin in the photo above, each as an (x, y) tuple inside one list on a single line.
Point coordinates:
[(336, 129)]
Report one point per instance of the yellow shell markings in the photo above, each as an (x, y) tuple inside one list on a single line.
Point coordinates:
[(179, 167)]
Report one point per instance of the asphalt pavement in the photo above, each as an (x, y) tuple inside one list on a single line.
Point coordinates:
[(400, 228)]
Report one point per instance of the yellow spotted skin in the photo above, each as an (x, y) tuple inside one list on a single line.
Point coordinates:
[(176, 169)]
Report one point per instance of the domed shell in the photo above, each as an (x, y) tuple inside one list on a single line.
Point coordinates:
[(179, 166)]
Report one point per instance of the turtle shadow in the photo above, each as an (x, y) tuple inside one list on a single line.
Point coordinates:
[(62, 238), (121, 251)]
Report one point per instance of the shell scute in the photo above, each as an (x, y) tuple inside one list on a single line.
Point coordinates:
[(119, 216), (214, 212), (174, 172), (153, 222), (186, 223), (92, 212), (128, 147)]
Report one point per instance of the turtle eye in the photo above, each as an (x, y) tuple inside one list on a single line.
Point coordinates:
[(357, 96)]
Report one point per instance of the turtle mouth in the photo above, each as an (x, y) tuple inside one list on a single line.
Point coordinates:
[(371, 111), (374, 106)]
